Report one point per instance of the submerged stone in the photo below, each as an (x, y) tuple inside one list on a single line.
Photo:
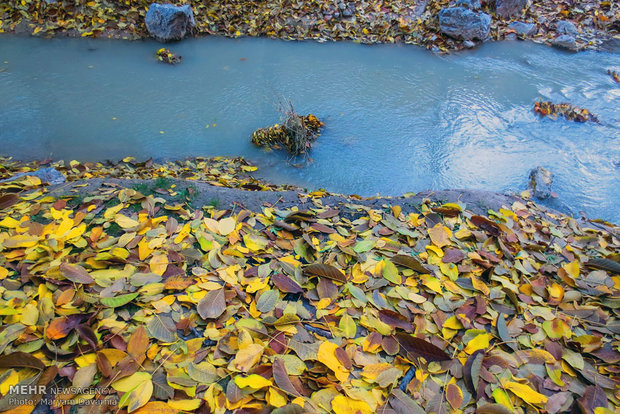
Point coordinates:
[(462, 23), (166, 22)]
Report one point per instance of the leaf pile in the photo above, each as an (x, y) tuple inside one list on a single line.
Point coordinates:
[(166, 56), (395, 21), (566, 110), (326, 308), (217, 171), (296, 134)]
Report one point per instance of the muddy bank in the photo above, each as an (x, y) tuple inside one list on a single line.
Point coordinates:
[(588, 24)]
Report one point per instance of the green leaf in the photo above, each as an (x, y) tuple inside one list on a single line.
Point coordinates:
[(120, 300), (390, 272)]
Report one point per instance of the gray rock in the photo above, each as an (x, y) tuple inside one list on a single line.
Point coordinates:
[(565, 42), (509, 8), (48, 175), (166, 22), (523, 29), (566, 27), (469, 44), (540, 182), (461, 23)]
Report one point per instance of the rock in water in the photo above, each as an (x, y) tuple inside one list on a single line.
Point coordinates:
[(565, 42), (509, 8), (461, 23), (166, 22), (540, 182)]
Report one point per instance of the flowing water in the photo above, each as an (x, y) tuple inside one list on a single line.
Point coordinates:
[(398, 118)]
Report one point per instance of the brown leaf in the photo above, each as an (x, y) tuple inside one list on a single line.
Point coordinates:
[(493, 409), (212, 304), (410, 347), (286, 284), (178, 283), (21, 360), (7, 200), (87, 334), (281, 378), (343, 357), (139, 341), (104, 365), (75, 273), (410, 262), (395, 319), (327, 271), (485, 224), (452, 256), (454, 396)]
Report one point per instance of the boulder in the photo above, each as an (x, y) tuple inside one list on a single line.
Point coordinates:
[(523, 29), (509, 8), (564, 42), (566, 27), (166, 22), (540, 182), (462, 23)]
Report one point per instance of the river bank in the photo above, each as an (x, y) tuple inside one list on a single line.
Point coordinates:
[(590, 24), (184, 287)]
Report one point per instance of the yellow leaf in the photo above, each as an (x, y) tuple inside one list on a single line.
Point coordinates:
[(226, 226), (9, 223), (21, 240), (3, 272), (276, 398), (347, 326), (254, 242), (248, 357), (252, 381), (479, 342), (129, 383), (159, 264), (327, 356), (156, 407), (526, 393), (572, 269), (137, 397), (345, 405), (30, 315), (126, 222), (440, 235), (185, 405)]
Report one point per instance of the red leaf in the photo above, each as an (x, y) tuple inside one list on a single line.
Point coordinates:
[(485, 224), (410, 347), (395, 319), (286, 284)]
